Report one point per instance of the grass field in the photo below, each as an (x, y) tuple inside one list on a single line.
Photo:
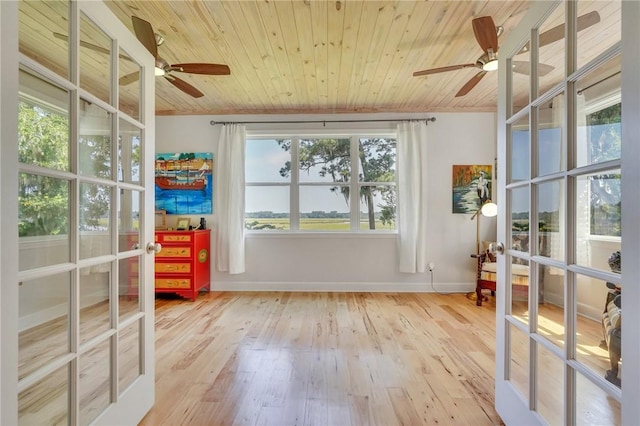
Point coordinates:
[(312, 224)]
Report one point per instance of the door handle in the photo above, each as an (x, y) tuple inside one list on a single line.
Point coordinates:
[(154, 248)]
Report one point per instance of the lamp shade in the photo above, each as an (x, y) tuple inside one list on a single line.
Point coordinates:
[(489, 210)]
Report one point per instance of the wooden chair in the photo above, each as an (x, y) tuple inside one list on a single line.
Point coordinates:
[(486, 274), (482, 283)]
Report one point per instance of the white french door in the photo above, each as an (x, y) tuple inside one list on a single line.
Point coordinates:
[(77, 213), (568, 151)]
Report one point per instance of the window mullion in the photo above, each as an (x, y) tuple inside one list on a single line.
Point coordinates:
[(294, 192), (354, 186)]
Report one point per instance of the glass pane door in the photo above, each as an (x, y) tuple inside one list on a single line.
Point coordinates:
[(85, 314), (559, 313)]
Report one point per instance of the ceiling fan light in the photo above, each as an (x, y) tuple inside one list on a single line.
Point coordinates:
[(159, 71), (492, 65), (159, 38)]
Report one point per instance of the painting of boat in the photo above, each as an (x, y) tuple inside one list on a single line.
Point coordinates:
[(184, 183), (168, 183)]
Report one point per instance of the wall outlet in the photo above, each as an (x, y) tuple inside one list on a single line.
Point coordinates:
[(431, 266)]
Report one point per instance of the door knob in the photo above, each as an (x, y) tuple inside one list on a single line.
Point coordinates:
[(154, 248)]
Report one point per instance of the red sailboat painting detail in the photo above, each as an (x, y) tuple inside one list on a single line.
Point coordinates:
[(169, 183), (186, 173)]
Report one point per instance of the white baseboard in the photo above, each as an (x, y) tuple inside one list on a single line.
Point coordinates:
[(40, 317), (554, 299), (349, 287), (591, 312), (588, 311)]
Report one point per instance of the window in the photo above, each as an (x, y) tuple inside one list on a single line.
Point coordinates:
[(43, 128), (313, 184), (604, 142)]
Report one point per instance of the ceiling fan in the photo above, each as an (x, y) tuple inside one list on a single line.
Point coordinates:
[(486, 34), (151, 40)]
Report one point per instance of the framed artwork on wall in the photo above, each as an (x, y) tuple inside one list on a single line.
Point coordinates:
[(182, 223), (161, 220), (471, 186), (184, 182)]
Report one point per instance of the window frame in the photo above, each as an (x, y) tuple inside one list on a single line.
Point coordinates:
[(294, 184)]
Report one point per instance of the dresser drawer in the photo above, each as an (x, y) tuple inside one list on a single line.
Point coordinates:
[(168, 251), (173, 283), (174, 238), (173, 267)]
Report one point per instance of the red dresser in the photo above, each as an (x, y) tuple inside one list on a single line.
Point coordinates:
[(182, 266)]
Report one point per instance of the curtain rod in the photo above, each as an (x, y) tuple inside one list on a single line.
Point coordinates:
[(324, 122), (579, 92)]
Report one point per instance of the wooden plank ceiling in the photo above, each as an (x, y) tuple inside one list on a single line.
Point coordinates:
[(315, 56), (309, 56)]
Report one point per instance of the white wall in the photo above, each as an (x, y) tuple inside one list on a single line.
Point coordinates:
[(591, 293), (357, 262)]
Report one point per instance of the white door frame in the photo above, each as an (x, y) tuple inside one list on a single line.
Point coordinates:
[(8, 211), (133, 404), (511, 408), (631, 197)]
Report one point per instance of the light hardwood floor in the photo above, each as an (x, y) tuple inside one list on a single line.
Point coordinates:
[(315, 359), (324, 359)]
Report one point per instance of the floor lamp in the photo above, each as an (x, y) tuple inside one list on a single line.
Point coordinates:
[(488, 209)]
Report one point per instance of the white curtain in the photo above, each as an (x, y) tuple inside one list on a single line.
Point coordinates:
[(229, 198), (411, 150), (583, 205), (556, 239)]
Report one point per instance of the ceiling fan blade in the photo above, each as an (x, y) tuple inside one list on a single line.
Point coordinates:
[(184, 86), (91, 46), (486, 33), (200, 68), (444, 69), (544, 69), (470, 84), (84, 44), (557, 33), (129, 78), (144, 33), (524, 67)]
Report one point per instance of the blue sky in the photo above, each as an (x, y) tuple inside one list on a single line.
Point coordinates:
[(264, 159)]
